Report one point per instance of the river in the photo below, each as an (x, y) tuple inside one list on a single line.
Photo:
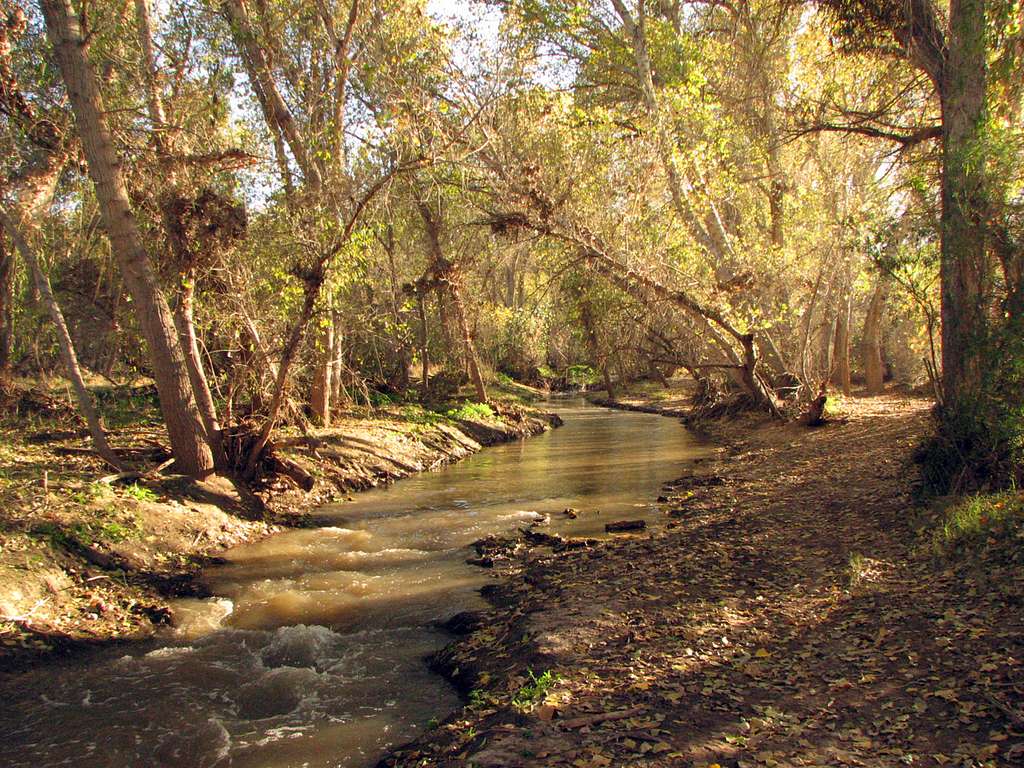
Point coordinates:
[(312, 652)]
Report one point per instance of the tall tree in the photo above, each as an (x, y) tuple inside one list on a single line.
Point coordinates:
[(189, 439)]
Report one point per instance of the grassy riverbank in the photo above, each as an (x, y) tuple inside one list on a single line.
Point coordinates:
[(797, 607), (89, 559)]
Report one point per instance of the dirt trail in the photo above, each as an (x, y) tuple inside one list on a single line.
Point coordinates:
[(788, 614)]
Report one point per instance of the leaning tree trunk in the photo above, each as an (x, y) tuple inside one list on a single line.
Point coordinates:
[(184, 321), (189, 440), (339, 395), (964, 260), (874, 367), (67, 347), (447, 275)]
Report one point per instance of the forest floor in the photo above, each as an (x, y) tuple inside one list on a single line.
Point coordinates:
[(795, 609), (86, 559)]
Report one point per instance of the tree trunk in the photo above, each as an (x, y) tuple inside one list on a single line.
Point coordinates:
[(874, 367), (184, 310), (189, 440), (472, 362), (275, 109), (447, 274), (6, 305), (424, 348), (964, 268), (67, 347), (338, 393), (314, 282), (841, 349), (320, 390), (184, 321)]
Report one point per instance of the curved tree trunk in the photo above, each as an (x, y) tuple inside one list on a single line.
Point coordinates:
[(424, 348), (184, 309), (469, 348), (189, 440)]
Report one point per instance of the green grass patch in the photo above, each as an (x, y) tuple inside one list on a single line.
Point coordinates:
[(417, 414), (471, 412), (85, 534), (90, 493), (534, 691), (974, 521), (139, 493)]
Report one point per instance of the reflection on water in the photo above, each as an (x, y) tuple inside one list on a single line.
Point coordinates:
[(311, 655)]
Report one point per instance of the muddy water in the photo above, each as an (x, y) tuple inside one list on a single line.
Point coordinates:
[(311, 655)]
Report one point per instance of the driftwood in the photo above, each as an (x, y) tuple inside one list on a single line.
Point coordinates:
[(121, 477), (289, 468)]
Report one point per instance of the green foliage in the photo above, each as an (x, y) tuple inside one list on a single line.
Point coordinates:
[(420, 415), (580, 375), (80, 534), (975, 519), (979, 443), (535, 690), (91, 493), (380, 399), (472, 412), (139, 493)]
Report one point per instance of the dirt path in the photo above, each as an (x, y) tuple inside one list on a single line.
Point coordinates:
[(788, 614)]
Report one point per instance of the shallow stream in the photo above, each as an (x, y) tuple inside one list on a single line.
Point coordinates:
[(312, 652)]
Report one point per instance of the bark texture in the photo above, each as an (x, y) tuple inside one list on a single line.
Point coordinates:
[(189, 440)]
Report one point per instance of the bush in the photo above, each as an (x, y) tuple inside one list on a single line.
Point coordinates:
[(974, 520), (979, 443), (471, 412)]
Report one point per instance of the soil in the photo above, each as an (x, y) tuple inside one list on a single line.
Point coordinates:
[(790, 611), (85, 562)]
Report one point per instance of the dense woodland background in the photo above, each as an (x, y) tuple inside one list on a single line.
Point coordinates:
[(279, 209)]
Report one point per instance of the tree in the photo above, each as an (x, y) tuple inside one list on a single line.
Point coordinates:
[(189, 439), (953, 51)]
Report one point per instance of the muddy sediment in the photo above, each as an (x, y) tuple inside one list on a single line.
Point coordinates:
[(761, 624)]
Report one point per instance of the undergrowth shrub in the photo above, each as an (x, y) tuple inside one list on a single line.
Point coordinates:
[(981, 520)]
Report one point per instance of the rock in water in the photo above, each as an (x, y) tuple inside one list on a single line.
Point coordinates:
[(621, 526)]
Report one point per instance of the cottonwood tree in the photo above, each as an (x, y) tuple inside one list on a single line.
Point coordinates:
[(981, 262)]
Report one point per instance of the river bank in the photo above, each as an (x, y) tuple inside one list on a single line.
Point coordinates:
[(791, 610), (86, 560)]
